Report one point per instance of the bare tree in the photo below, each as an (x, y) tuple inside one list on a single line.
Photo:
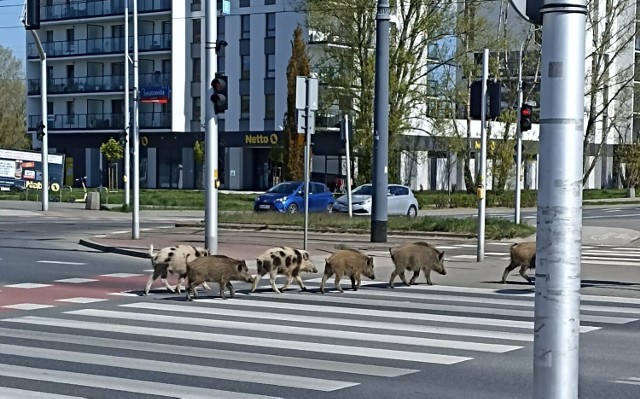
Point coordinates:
[(13, 133)]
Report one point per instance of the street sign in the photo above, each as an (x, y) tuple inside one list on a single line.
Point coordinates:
[(226, 7), (302, 122), (529, 10), (301, 93)]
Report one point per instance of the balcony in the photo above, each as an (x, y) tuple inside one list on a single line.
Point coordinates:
[(98, 8), (96, 84), (107, 45), (101, 121)]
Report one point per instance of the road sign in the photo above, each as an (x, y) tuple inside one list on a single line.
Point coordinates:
[(301, 93), (302, 122)]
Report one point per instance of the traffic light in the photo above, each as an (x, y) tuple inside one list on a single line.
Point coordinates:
[(123, 138), (220, 96), (40, 131), (495, 105), (33, 15), (526, 112)]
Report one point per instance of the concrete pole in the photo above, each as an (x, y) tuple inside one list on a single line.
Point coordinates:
[(559, 235), (482, 177), (307, 163), (379, 211), (45, 138), (346, 137), (136, 129), (211, 133), (127, 115), (519, 140)]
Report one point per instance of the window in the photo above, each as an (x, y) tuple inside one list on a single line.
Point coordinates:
[(197, 109), (197, 30), (49, 107), (245, 24), (269, 2), (271, 65), (269, 106), (245, 108), (245, 67), (271, 24), (197, 69), (245, 3)]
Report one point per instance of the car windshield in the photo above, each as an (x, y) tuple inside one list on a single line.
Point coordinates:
[(363, 190), (284, 188)]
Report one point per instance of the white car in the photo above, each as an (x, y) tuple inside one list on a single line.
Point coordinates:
[(400, 201)]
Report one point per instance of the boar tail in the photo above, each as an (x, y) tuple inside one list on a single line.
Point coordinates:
[(151, 251)]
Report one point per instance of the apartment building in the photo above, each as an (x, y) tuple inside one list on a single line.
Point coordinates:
[(85, 46)]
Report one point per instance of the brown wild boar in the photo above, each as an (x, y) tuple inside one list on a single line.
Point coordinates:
[(523, 255), (349, 262), (414, 257), (283, 260), (173, 260), (219, 269)]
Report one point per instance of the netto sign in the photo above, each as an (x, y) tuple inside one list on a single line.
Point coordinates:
[(261, 139)]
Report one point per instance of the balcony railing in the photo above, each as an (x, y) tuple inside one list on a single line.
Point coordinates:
[(101, 121), (96, 84), (107, 45), (98, 8)]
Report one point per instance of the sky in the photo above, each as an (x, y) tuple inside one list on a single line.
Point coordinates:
[(12, 32)]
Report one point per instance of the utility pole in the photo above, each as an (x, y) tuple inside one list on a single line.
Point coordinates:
[(307, 161), (127, 115), (211, 133), (136, 130), (482, 175), (379, 211), (346, 145), (559, 235)]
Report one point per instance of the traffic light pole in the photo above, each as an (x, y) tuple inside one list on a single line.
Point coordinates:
[(127, 115), (482, 175), (519, 135), (211, 134), (379, 211), (135, 215), (559, 235), (43, 111)]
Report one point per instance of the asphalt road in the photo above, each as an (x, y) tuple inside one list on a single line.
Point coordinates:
[(74, 327)]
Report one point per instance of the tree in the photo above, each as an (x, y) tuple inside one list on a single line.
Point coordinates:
[(112, 150), (299, 65), (348, 65), (611, 31), (198, 155), (13, 133)]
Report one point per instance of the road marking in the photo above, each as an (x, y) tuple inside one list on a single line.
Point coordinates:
[(371, 324), (23, 394), (208, 353), (120, 232), (297, 346), (629, 381), (465, 256), (596, 261), (28, 306), (27, 285), (76, 280), (59, 262), (81, 300), (192, 370), (121, 275), (304, 331), (120, 384)]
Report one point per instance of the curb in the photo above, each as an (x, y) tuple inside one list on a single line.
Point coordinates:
[(116, 250), (252, 226)]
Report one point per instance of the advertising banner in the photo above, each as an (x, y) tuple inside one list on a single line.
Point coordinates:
[(20, 170)]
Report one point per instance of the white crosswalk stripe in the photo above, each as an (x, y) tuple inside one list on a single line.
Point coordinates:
[(263, 345)]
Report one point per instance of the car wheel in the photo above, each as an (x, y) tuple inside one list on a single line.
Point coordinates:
[(330, 207), (292, 208), (412, 212)]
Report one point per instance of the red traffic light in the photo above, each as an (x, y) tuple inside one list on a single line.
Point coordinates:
[(525, 111), (218, 85)]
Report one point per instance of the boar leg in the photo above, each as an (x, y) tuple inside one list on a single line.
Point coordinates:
[(427, 274), (289, 276), (156, 273), (301, 283), (232, 292), (356, 280), (337, 282), (508, 270), (416, 274), (393, 277), (272, 280), (403, 278), (256, 280), (324, 280), (222, 284), (523, 272)]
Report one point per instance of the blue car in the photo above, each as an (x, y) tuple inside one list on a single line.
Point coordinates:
[(289, 197)]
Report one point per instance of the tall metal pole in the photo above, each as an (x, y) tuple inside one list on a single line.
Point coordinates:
[(307, 163), (136, 129), (211, 133), (482, 176), (127, 115), (346, 138), (379, 211), (45, 139), (519, 134), (559, 235)]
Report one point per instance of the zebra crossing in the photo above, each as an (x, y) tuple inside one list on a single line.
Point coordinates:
[(264, 345)]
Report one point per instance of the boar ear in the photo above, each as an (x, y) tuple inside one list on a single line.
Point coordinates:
[(239, 267), (306, 255), (441, 255)]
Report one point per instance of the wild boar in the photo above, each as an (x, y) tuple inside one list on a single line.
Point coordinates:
[(173, 260), (415, 257), (350, 262), (219, 269), (283, 260), (524, 255)]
